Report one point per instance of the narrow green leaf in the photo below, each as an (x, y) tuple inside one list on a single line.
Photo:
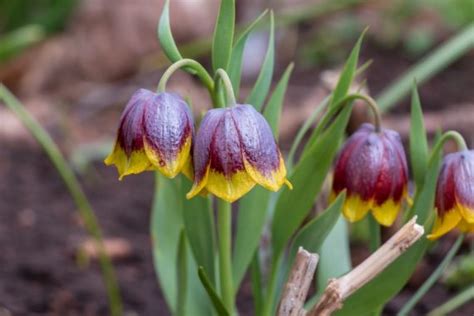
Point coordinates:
[(342, 88), (212, 294), (418, 140), (313, 234), (272, 111), (307, 179), (347, 74), (223, 35), (303, 130), (256, 279), (336, 245), (250, 221), (235, 66), (166, 225), (199, 224), (165, 36), (181, 278), (262, 85)]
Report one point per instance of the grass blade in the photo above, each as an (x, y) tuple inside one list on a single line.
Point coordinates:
[(262, 85), (211, 292), (165, 36), (235, 66), (223, 35), (272, 111), (418, 140)]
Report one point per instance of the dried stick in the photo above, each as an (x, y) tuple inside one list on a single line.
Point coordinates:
[(339, 289), (297, 286)]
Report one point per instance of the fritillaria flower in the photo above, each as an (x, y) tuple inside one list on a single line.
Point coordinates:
[(372, 168), (455, 194), (155, 133), (234, 150)]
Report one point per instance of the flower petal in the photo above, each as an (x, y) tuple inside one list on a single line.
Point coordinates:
[(202, 148), (445, 223), (229, 188), (135, 163), (465, 227), (386, 213), (262, 158), (168, 130), (355, 208)]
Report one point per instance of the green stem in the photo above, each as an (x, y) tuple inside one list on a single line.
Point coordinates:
[(460, 299), (85, 210), (224, 217), (256, 278), (374, 229), (229, 90), (433, 278), (271, 288), (201, 72)]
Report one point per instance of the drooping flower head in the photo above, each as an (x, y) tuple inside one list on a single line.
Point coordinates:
[(372, 168), (455, 194), (233, 151), (155, 133)]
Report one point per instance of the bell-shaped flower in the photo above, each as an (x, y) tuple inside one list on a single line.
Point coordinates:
[(234, 150), (372, 168), (155, 133), (455, 194)]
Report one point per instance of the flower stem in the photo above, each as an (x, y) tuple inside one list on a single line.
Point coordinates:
[(229, 90), (346, 100), (224, 217), (84, 208), (374, 229), (201, 72), (433, 278)]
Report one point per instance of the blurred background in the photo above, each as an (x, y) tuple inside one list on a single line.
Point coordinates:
[(75, 63)]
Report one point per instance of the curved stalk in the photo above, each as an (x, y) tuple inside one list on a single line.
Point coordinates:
[(229, 90)]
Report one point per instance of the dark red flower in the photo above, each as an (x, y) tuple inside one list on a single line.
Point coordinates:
[(372, 168), (455, 194)]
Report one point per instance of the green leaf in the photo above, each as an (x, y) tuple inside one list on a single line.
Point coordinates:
[(347, 74), (212, 294), (313, 234), (262, 85), (250, 221), (336, 245), (418, 141), (235, 66), (165, 36), (166, 225), (342, 88), (199, 224), (182, 275), (307, 179), (223, 35), (272, 111)]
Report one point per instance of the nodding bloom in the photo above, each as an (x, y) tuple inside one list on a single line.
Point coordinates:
[(372, 168), (155, 133), (234, 150), (455, 194)]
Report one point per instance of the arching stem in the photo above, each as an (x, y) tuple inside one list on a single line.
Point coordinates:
[(229, 90)]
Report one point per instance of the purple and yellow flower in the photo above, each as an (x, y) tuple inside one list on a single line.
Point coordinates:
[(455, 194), (234, 150), (155, 133), (372, 168)]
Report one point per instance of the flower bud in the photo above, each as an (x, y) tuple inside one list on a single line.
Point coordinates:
[(233, 151), (455, 194), (372, 168), (155, 133)]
